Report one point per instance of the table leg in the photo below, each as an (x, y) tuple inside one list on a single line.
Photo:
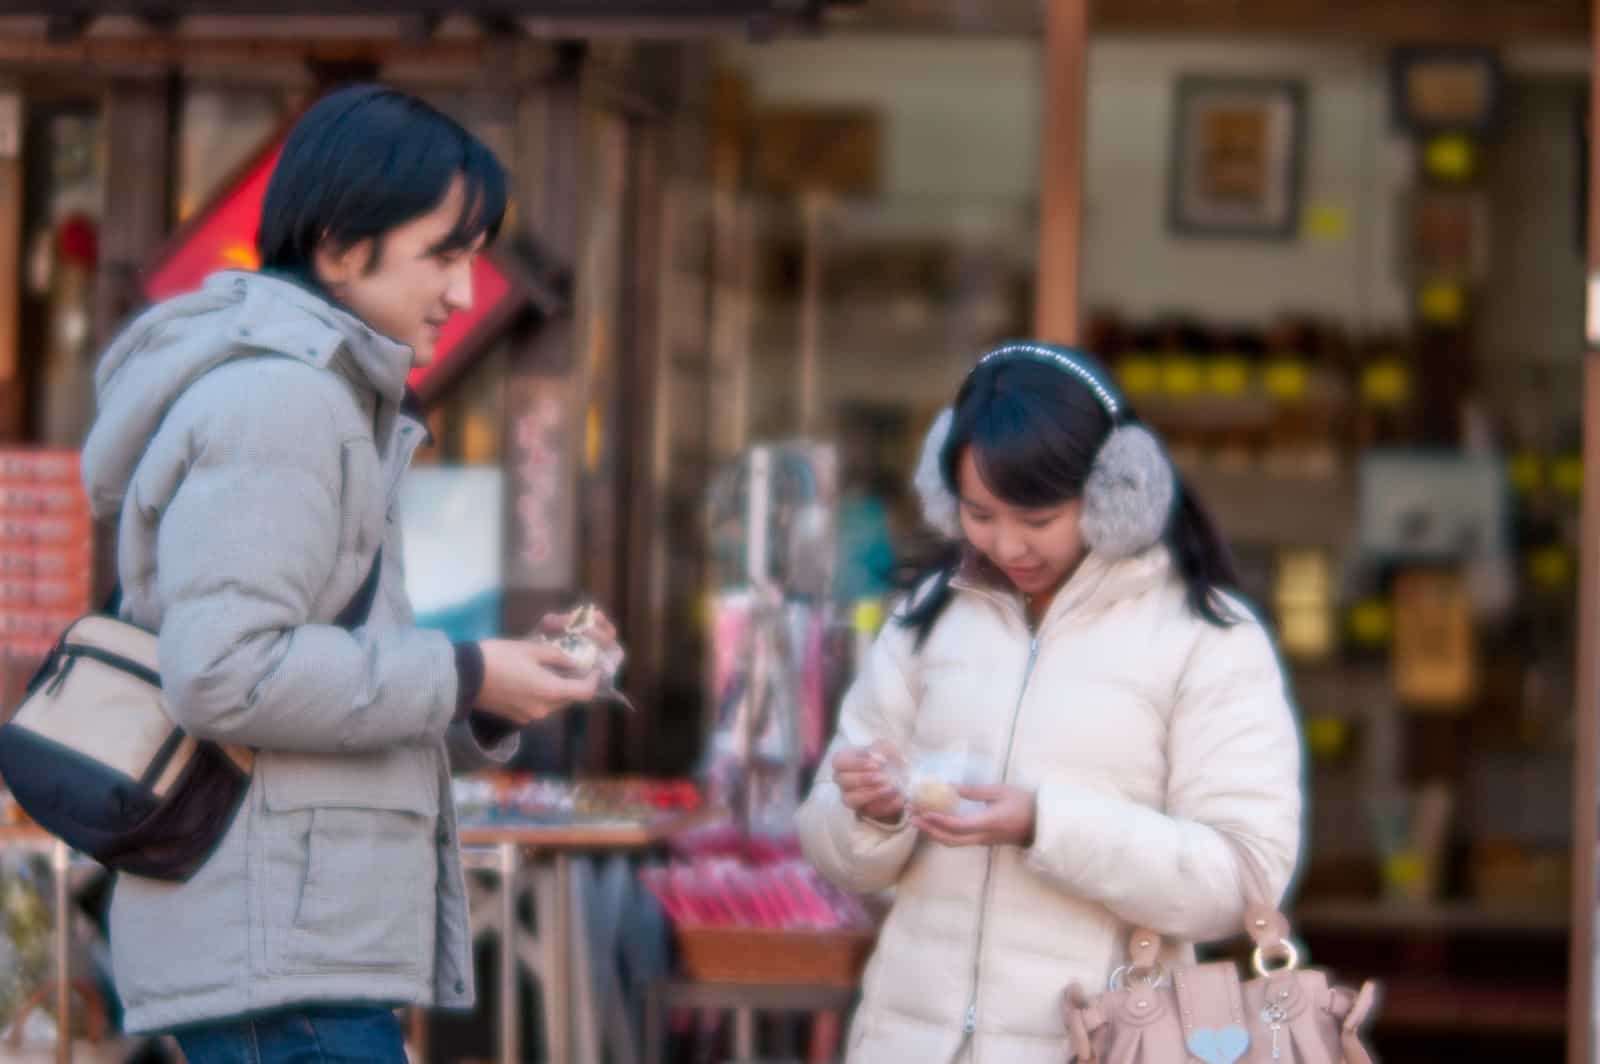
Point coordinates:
[(61, 868), (655, 1024), (744, 1035), (510, 1013), (558, 918), (586, 1015)]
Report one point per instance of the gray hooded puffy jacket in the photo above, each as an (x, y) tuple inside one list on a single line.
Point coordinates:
[(250, 441)]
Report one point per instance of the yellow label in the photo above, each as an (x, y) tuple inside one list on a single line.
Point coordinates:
[(1526, 471), (1451, 158), (1328, 737), (1371, 622), (1327, 222), (1566, 474), (1386, 383), (1228, 375), (868, 616), (1405, 869), (1181, 375), (1139, 374), (1286, 379), (1550, 567), (1442, 303)]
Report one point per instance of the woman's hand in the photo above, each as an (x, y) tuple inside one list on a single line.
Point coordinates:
[(1007, 819), (862, 774)]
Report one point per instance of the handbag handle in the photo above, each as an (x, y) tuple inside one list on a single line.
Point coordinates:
[(95, 1014), (1264, 923)]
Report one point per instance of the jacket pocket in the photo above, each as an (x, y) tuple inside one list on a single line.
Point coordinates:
[(351, 862)]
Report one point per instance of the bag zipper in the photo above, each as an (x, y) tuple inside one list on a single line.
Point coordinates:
[(971, 1025)]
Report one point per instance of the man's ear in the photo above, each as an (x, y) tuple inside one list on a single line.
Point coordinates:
[(339, 266)]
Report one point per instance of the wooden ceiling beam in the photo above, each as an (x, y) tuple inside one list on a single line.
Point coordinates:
[(1361, 22), (1495, 22), (578, 9)]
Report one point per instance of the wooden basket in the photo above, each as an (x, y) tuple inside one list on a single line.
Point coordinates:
[(775, 957)]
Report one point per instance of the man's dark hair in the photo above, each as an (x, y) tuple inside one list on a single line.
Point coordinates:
[(365, 160)]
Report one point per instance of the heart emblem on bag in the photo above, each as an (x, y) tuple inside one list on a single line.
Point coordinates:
[(1222, 1045)]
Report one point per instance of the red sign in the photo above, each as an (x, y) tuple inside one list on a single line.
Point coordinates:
[(222, 236)]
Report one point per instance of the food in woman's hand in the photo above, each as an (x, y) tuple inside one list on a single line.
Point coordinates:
[(935, 796)]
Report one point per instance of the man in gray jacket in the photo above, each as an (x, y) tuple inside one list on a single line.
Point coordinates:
[(250, 441)]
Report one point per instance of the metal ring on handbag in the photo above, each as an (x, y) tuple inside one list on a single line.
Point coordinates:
[(1152, 976), (1284, 949)]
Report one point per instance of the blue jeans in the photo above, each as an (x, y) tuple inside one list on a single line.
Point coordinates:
[(357, 1034)]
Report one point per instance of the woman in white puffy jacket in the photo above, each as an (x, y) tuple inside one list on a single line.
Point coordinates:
[(1128, 733)]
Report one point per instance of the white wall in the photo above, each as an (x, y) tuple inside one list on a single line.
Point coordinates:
[(960, 116), (1354, 168), (961, 122)]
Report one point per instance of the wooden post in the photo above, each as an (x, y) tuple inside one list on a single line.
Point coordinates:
[(544, 430), (1066, 62), (642, 496), (1586, 785), (11, 378), (138, 132)]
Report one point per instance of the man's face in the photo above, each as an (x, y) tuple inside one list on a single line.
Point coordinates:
[(416, 286)]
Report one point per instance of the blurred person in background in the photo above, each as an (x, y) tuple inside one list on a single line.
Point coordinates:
[(250, 441), (1131, 759)]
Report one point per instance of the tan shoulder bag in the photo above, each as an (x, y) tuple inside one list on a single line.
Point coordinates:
[(1206, 1014)]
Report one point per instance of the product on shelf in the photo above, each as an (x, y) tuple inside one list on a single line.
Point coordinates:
[(516, 800), (721, 892)]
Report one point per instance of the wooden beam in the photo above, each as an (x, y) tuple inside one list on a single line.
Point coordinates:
[(138, 130), (544, 430), (1498, 22), (735, 9), (60, 28), (167, 51), (1056, 310), (642, 495), (1365, 22), (1586, 775), (11, 193)]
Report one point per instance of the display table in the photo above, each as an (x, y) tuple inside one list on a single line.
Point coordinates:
[(568, 935), (744, 1000), (558, 955)]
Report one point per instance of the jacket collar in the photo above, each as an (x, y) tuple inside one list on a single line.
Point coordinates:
[(285, 316), (1097, 584)]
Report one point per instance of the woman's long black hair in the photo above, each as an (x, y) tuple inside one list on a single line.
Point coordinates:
[(1035, 429)]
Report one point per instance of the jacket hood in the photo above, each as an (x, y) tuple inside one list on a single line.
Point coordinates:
[(235, 314)]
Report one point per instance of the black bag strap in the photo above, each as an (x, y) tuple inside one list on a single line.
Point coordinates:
[(353, 616)]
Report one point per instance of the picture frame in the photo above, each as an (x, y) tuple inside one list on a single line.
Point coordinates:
[(1237, 166), (1439, 90), (1424, 506)]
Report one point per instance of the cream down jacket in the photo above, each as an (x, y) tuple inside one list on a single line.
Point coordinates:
[(1161, 748)]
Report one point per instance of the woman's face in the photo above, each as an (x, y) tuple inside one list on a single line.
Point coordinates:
[(1036, 549)]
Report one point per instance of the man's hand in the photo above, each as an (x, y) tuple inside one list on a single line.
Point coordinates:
[(862, 774), (1007, 819), (525, 680)]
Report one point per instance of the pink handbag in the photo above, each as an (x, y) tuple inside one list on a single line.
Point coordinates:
[(1205, 1014)]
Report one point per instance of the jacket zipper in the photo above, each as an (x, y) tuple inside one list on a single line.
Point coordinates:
[(970, 1028)]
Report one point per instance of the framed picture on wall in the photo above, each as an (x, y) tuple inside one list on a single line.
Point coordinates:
[(1440, 90), (1237, 158)]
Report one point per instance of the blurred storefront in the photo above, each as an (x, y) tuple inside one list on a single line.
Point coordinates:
[(1339, 258), (1344, 279)]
